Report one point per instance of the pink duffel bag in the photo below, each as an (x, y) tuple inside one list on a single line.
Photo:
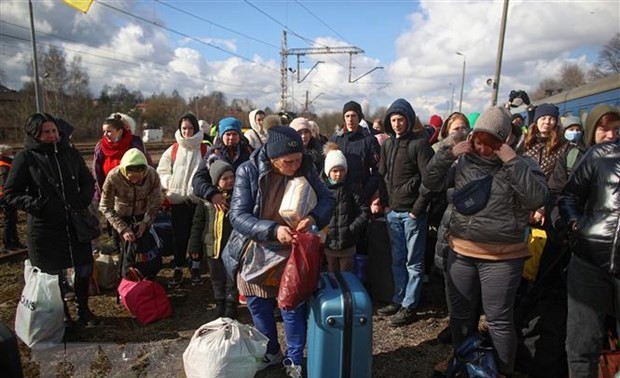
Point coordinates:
[(145, 299)]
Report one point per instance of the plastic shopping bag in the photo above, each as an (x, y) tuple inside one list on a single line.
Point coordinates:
[(299, 199), (224, 348), (301, 273), (39, 321), (536, 244)]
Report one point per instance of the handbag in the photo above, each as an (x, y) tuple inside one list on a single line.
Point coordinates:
[(224, 348), (86, 224), (39, 320), (144, 299), (301, 273), (473, 196)]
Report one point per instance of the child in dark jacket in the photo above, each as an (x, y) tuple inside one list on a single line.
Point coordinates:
[(210, 232), (350, 216)]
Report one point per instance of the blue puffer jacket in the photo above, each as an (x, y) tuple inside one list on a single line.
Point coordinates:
[(245, 207)]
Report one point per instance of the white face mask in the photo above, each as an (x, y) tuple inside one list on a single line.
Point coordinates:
[(572, 135)]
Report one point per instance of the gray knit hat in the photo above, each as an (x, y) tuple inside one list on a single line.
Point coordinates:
[(217, 169), (494, 121)]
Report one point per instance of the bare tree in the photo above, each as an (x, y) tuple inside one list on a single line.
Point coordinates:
[(547, 87), (608, 59), (571, 76)]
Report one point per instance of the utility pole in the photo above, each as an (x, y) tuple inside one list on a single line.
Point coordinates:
[(285, 52), (500, 53)]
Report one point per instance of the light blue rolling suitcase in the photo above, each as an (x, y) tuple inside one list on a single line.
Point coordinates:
[(340, 328)]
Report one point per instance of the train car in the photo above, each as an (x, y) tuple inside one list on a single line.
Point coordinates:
[(579, 101)]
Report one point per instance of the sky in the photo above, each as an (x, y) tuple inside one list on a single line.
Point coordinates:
[(233, 46)]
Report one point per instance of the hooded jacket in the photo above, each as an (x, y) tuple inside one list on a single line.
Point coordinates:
[(403, 162), (591, 200), (176, 176), (247, 199), (122, 199), (518, 187), (256, 135), (46, 181)]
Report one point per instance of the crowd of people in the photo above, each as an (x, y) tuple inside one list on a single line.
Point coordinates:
[(556, 174)]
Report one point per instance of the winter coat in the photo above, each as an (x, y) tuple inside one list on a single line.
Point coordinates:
[(176, 176), (202, 238), (99, 157), (591, 199), (403, 162), (47, 180), (122, 199), (350, 217), (256, 136), (5, 166), (201, 183), (362, 152), (245, 207), (315, 151), (518, 187)]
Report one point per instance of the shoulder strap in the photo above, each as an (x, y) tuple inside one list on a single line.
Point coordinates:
[(571, 158), (257, 136), (173, 154)]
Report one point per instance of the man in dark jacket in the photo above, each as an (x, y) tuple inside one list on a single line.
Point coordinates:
[(361, 150), (589, 204), (403, 159)]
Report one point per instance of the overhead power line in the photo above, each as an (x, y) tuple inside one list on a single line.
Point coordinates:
[(185, 35), (322, 22)]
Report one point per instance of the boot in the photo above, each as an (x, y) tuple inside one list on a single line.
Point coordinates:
[(69, 324), (85, 316), (219, 308), (231, 308)]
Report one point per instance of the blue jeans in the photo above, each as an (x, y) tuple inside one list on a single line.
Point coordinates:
[(295, 324), (592, 294), (408, 240)]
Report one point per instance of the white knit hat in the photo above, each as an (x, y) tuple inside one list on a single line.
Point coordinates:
[(334, 158)]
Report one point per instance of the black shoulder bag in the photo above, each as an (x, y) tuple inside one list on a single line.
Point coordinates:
[(474, 195)]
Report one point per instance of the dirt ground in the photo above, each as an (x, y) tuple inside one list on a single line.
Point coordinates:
[(122, 347)]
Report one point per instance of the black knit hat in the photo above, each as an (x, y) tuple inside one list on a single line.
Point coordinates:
[(217, 169), (352, 105), (546, 110), (282, 140)]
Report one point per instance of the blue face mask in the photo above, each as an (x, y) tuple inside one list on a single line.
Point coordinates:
[(572, 135)]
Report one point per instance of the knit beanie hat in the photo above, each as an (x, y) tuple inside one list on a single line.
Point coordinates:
[(229, 124), (571, 121), (435, 121), (352, 105), (334, 158), (282, 140), (546, 110), (496, 122), (217, 169), (271, 120), (300, 123)]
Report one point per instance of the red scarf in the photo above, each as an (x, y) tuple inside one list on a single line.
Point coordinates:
[(113, 152)]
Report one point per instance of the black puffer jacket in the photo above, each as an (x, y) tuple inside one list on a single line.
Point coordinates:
[(403, 161), (591, 199), (350, 217), (42, 174)]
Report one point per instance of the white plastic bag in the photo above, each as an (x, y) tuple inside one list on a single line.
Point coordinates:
[(39, 321), (224, 348), (298, 200)]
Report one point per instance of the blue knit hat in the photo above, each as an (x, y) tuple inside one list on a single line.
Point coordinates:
[(229, 124), (282, 140), (546, 110)]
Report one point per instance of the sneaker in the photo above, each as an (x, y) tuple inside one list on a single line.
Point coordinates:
[(177, 278), (292, 370), (403, 317), (196, 277), (242, 299), (388, 310), (270, 360)]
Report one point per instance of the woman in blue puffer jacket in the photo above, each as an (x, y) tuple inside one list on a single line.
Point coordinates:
[(259, 189)]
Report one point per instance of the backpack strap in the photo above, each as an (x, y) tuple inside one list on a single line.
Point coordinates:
[(175, 149)]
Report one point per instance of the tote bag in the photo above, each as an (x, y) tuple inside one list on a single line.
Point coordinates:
[(39, 321)]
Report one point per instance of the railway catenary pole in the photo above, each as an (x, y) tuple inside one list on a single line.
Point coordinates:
[(500, 52)]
